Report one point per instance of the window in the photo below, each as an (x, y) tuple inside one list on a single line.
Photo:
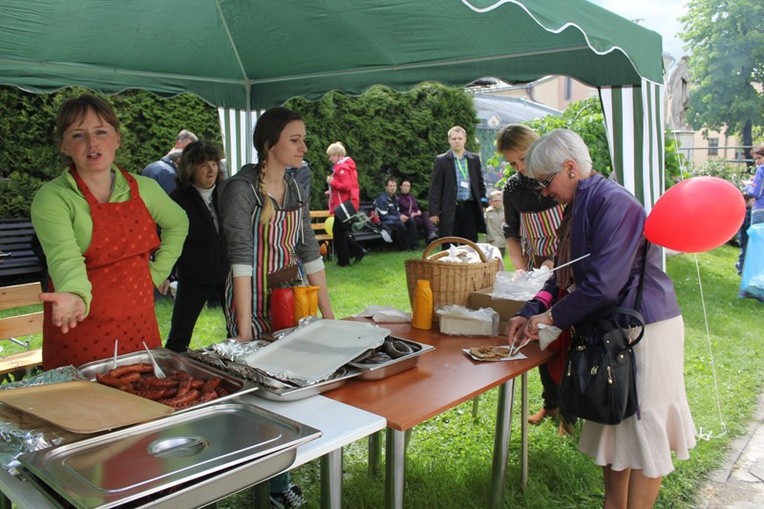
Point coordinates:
[(713, 146)]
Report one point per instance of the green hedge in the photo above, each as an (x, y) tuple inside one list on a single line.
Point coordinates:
[(384, 131), (29, 155)]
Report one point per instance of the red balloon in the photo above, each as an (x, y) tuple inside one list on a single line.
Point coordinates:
[(696, 215)]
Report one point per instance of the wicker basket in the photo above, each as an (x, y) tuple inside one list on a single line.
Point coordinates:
[(451, 283)]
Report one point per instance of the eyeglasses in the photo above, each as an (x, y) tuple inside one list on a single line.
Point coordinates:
[(543, 184)]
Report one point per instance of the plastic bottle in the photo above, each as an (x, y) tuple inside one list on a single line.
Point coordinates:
[(282, 308), (422, 310), (301, 303), (313, 300)]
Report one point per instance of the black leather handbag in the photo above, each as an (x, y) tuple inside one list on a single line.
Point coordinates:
[(599, 382)]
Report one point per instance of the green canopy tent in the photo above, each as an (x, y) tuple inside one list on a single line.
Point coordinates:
[(244, 55)]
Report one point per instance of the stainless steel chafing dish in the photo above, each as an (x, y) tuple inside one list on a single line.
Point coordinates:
[(185, 460), (395, 355), (170, 362)]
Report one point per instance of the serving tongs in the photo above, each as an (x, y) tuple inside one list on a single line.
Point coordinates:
[(157, 370)]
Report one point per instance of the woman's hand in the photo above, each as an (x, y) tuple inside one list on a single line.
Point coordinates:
[(164, 286), (516, 330), (67, 309), (532, 327)]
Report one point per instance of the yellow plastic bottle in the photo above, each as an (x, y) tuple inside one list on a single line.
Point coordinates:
[(301, 303), (313, 300), (422, 310)]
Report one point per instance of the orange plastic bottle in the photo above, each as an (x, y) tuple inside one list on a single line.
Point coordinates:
[(301, 303), (422, 310), (313, 300)]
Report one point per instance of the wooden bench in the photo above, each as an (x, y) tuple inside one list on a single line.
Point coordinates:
[(18, 262), (318, 223), (18, 326)]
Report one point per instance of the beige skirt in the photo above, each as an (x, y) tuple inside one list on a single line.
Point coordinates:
[(665, 424)]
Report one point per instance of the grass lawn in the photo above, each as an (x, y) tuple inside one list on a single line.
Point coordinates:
[(449, 457)]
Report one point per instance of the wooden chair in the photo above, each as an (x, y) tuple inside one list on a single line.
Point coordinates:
[(16, 326)]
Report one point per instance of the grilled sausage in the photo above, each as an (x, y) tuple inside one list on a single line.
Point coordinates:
[(139, 367)]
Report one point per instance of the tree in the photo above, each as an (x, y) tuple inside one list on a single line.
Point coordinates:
[(726, 62), (586, 119)]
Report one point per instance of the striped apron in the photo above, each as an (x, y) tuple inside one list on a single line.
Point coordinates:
[(538, 231), (274, 250)]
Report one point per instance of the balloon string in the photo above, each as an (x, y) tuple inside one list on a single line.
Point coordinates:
[(701, 434), (684, 165)]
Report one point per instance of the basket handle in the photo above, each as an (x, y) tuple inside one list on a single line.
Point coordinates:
[(454, 240)]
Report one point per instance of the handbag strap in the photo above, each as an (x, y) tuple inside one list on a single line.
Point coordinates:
[(636, 318), (638, 300)]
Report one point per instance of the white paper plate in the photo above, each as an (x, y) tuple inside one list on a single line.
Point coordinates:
[(312, 353)]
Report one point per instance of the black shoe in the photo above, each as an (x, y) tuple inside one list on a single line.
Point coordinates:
[(360, 256), (343, 264), (292, 497)]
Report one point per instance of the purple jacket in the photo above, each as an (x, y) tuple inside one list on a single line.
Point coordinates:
[(608, 223), (407, 204)]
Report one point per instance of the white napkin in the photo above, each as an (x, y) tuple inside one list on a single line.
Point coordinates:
[(547, 334), (384, 314)]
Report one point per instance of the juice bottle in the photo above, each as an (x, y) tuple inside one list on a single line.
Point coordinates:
[(422, 309)]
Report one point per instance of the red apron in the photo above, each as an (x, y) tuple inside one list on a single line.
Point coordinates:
[(117, 263)]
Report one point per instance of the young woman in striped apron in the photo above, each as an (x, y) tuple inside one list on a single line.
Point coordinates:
[(530, 229), (266, 220)]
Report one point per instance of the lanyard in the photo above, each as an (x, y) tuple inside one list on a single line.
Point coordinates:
[(461, 165)]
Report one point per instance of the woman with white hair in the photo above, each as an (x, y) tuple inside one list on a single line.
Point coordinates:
[(604, 221)]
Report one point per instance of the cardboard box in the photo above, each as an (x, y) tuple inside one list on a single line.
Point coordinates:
[(505, 307)]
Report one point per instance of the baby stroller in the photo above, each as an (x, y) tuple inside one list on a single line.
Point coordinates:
[(359, 221)]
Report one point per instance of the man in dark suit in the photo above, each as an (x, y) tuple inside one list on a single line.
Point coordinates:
[(457, 190)]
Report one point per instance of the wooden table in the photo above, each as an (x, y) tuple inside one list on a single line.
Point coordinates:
[(444, 378)]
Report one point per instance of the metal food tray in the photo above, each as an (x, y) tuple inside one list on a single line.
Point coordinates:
[(170, 362), (382, 370), (312, 353), (171, 462), (292, 393)]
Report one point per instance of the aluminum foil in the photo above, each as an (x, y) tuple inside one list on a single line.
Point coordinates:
[(219, 355), (20, 432)]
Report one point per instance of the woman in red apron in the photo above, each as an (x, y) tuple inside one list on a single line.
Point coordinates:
[(97, 225), (267, 228)]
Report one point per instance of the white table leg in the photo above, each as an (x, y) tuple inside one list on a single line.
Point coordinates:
[(331, 480), (395, 465), (501, 443)]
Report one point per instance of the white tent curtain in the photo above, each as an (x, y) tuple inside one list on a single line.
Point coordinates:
[(634, 125), (236, 128)]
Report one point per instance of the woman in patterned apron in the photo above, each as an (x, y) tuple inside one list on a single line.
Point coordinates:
[(97, 225), (530, 229), (266, 220)]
